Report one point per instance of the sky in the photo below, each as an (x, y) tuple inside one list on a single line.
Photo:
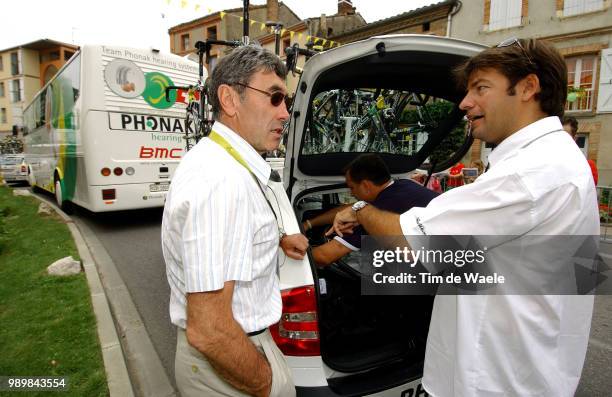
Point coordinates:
[(145, 23)]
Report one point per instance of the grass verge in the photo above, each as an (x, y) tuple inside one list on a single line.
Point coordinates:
[(47, 325)]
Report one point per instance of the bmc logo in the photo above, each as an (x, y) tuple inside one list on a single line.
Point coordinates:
[(159, 153)]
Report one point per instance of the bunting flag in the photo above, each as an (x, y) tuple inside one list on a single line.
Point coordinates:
[(197, 5), (284, 32)]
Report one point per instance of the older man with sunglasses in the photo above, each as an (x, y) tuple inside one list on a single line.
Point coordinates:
[(537, 184), (220, 238)]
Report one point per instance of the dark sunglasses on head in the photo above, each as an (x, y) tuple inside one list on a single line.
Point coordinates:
[(512, 41), (276, 98)]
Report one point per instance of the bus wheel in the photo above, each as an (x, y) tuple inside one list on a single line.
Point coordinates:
[(31, 179), (66, 206)]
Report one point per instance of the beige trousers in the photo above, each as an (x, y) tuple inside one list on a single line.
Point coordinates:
[(196, 377)]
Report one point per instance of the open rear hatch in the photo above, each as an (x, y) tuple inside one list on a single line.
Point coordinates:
[(395, 96)]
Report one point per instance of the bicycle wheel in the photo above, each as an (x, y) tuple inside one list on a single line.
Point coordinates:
[(193, 132)]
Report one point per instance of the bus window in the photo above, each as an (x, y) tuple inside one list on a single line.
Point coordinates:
[(41, 101), (65, 91)]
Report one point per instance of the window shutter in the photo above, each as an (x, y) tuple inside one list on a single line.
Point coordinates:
[(513, 16), (573, 7), (505, 14), (593, 5), (498, 11), (604, 97)]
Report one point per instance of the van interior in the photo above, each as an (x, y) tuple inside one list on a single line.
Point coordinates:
[(379, 339)]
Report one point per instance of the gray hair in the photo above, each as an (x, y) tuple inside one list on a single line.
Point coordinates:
[(238, 67)]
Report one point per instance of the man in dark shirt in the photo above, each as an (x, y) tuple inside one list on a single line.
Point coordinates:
[(369, 179)]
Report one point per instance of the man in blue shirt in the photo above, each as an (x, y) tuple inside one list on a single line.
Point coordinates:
[(369, 179)]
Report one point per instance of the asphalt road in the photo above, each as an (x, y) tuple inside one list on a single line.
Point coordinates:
[(132, 239)]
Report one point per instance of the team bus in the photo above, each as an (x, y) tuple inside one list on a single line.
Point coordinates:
[(101, 133)]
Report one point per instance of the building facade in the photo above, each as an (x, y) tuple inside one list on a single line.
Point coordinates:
[(24, 70), (347, 26), (227, 25), (582, 31), (314, 33), (432, 19)]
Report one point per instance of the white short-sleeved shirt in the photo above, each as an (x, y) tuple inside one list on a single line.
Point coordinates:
[(218, 227), (539, 183)]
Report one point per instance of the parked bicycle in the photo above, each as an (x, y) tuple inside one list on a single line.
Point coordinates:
[(362, 120), (198, 118)]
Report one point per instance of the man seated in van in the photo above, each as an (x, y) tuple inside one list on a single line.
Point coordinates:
[(369, 180)]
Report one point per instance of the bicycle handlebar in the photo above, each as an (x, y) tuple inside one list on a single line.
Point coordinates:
[(204, 47), (295, 50), (292, 54)]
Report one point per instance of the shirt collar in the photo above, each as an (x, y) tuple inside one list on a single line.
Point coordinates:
[(523, 137), (256, 163), (391, 182)]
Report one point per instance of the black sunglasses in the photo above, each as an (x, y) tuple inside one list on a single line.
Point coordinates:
[(512, 41), (276, 98)]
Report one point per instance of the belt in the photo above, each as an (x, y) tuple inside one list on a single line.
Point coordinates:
[(256, 332)]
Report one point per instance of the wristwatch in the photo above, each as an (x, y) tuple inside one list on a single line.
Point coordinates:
[(359, 205)]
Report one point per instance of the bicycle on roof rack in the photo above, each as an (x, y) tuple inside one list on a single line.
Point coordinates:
[(198, 120), (292, 53)]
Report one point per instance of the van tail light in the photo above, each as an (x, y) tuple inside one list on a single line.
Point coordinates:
[(297, 332)]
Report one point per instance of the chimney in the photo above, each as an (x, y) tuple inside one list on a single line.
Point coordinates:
[(272, 10), (345, 7), (323, 25)]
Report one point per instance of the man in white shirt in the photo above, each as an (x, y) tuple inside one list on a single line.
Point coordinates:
[(537, 184), (220, 238)]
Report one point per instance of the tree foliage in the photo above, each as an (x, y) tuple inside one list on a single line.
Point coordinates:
[(431, 114)]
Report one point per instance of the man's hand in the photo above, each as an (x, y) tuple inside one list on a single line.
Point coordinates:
[(294, 245), (344, 222), (213, 331)]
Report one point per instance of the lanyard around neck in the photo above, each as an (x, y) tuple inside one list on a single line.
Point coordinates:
[(219, 140)]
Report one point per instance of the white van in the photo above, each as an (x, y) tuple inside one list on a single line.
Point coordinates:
[(393, 95), (13, 168)]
